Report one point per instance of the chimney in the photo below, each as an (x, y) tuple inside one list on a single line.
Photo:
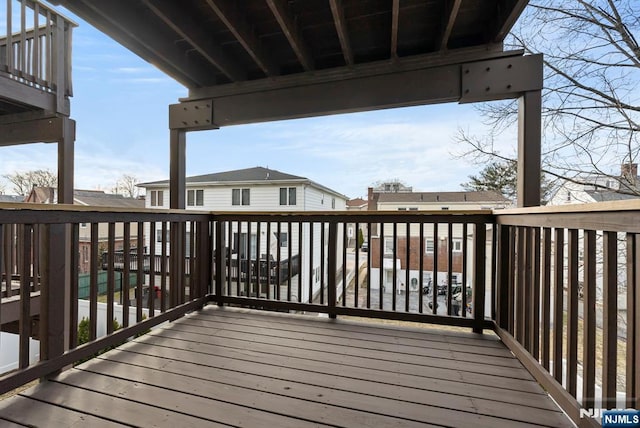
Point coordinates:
[(629, 171), (371, 203)]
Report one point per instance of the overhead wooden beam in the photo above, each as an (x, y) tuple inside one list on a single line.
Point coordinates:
[(171, 13), (355, 95), (449, 19), (337, 11), (509, 11), (357, 71), (365, 91), (229, 13), (395, 18), (34, 131), (138, 35), (292, 31)]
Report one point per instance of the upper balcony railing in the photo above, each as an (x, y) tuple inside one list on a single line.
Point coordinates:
[(35, 46), (559, 285)]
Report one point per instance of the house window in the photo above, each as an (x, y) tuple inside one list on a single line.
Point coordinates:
[(388, 245), (240, 197), (284, 239), (413, 208), (157, 198), (428, 245), (287, 196), (402, 209), (456, 245), (159, 235), (83, 225), (568, 196), (445, 208), (195, 198), (333, 203)]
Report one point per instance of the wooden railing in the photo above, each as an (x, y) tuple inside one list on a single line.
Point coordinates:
[(546, 280), (42, 247), (428, 267), (556, 265), (36, 46)]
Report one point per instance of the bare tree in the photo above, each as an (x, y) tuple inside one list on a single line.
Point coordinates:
[(591, 96), (23, 182), (126, 185)]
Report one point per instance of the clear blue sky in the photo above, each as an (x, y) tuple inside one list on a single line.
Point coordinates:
[(121, 103)]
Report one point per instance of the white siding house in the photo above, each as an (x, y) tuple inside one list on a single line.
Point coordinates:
[(601, 189), (259, 190)]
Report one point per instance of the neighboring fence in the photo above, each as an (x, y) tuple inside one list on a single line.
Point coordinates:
[(84, 283), (35, 47)]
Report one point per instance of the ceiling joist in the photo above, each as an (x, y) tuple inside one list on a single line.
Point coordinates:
[(229, 13), (337, 11), (449, 19), (138, 35), (292, 32), (508, 13), (395, 17), (169, 12)]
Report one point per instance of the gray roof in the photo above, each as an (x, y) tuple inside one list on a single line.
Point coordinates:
[(422, 197), (609, 195), (239, 175), (97, 198), (11, 198), (256, 175)]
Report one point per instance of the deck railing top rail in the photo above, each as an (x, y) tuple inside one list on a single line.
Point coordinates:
[(612, 206)]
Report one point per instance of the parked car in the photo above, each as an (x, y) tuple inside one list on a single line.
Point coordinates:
[(364, 247)]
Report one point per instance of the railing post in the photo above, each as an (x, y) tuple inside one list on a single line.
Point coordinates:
[(203, 258), (59, 57), (24, 257), (55, 312), (219, 266), (502, 298), (332, 268), (633, 321), (479, 276)]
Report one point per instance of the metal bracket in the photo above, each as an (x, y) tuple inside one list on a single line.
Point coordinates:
[(501, 78), (192, 115)]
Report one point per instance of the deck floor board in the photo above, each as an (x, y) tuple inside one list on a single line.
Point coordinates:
[(232, 367)]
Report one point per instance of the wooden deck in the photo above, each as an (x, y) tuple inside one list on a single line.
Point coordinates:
[(232, 367)]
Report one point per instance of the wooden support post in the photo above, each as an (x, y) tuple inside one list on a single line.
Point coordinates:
[(177, 168), (529, 136), (65, 161), (177, 196)]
